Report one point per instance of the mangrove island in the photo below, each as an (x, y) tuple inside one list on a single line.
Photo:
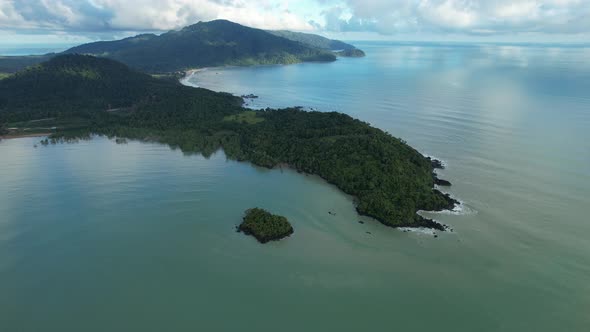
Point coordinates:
[(265, 226)]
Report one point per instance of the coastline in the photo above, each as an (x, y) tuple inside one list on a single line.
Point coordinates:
[(421, 222), (189, 72), (25, 135)]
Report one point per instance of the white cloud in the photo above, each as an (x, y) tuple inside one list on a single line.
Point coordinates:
[(143, 15), (473, 16), (388, 17)]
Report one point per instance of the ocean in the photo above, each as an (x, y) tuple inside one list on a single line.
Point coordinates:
[(99, 236)]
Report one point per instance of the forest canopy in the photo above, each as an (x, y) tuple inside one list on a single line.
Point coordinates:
[(390, 180), (265, 226)]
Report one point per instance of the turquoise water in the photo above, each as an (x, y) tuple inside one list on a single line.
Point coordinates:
[(97, 236)]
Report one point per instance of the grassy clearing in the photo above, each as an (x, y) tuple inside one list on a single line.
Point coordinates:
[(47, 125), (247, 117)]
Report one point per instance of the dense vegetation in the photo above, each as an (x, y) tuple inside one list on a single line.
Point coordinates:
[(314, 40), (265, 226), (389, 179), (77, 85), (354, 53)]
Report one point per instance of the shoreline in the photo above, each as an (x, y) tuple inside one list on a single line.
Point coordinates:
[(25, 135), (189, 72)]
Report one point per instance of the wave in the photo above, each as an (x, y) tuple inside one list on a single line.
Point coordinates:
[(442, 161), (418, 230), (186, 80)]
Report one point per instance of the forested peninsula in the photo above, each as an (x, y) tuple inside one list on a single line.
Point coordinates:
[(83, 95)]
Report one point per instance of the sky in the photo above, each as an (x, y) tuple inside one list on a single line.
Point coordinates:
[(77, 21)]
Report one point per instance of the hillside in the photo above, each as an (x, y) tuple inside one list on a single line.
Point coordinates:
[(80, 84), (204, 44)]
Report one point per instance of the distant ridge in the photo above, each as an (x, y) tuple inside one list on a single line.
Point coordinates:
[(312, 40), (204, 44)]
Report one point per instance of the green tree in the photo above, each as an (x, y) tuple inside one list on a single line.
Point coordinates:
[(3, 129)]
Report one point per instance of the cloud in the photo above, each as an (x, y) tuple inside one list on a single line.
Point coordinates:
[(387, 17), (483, 17), (99, 16)]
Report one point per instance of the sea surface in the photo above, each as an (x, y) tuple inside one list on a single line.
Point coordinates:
[(98, 236)]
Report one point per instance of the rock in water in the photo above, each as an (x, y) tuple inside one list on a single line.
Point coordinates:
[(442, 182)]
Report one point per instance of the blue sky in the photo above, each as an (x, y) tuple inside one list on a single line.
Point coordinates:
[(73, 21)]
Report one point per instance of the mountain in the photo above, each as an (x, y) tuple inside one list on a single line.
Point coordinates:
[(204, 44)]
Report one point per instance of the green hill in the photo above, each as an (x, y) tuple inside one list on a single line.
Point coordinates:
[(80, 84), (204, 44)]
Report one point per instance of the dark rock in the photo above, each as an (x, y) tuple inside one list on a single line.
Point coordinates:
[(250, 96), (429, 223), (435, 235), (436, 163), (442, 182), (361, 222), (368, 232)]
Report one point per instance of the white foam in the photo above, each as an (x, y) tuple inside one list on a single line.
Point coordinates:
[(460, 209), (419, 230), (189, 74), (443, 162)]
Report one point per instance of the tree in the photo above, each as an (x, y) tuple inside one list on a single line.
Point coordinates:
[(3, 129)]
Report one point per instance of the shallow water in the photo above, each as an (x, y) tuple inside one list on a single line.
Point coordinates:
[(97, 236)]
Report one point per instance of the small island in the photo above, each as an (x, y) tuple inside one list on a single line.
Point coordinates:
[(265, 226)]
